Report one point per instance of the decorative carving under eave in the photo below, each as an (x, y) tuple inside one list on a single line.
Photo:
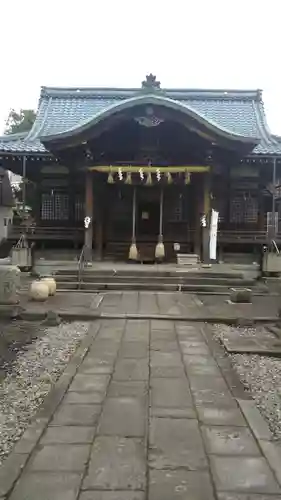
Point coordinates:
[(150, 83)]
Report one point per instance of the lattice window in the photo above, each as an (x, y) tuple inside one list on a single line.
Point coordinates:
[(55, 206), (244, 210), (79, 207)]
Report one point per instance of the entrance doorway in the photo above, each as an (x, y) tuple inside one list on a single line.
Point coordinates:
[(148, 214)]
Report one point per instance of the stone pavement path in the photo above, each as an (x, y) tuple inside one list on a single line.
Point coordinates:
[(151, 414)]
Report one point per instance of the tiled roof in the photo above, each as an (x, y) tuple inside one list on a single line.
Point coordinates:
[(66, 110)]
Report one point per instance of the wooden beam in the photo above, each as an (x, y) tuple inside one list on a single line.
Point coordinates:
[(149, 168)]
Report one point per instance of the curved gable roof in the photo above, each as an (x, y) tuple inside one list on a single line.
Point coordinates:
[(236, 113)]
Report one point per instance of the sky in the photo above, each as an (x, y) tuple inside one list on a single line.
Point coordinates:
[(112, 43)]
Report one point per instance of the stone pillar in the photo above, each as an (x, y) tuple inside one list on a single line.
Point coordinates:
[(89, 209), (207, 213)]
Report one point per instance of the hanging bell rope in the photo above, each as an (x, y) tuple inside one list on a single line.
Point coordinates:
[(128, 179), (187, 178), (148, 179), (169, 178), (110, 178), (120, 174), (160, 249), (133, 252)]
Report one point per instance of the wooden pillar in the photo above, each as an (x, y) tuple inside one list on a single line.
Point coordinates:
[(197, 214), (206, 212), (89, 208)]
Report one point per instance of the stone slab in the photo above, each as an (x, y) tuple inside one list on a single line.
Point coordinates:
[(133, 388), (123, 417), (133, 350), (272, 453), (131, 369), (62, 457), (165, 359), (112, 495), (68, 435), (84, 397), (179, 485), (199, 382), (167, 393), (194, 347), (47, 486), (229, 440), (115, 464), (88, 383), (164, 345), (208, 369), (220, 416), (175, 443), (242, 496), (10, 471), (172, 412), (211, 397), (167, 371), (243, 475), (255, 420), (71, 414)]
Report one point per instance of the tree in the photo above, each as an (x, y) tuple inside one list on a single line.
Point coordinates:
[(21, 121)]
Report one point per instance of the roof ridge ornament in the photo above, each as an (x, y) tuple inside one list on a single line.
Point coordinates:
[(150, 83)]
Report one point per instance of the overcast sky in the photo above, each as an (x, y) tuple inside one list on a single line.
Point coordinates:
[(201, 44)]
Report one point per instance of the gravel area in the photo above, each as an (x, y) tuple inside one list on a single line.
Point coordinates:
[(259, 374), (31, 377)]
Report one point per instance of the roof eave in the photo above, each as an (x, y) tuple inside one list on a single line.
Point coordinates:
[(154, 99)]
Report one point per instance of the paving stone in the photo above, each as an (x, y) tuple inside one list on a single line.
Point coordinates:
[(220, 416), (112, 495), (165, 359), (162, 325), (251, 496), (116, 464), (87, 383), (71, 414), (68, 435), (166, 393), (133, 350), (96, 367), (198, 382), (10, 471), (167, 372), (163, 335), (179, 485), (210, 397), (175, 443), (123, 417), (61, 457), (47, 486), (272, 453), (243, 474), (134, 388), (194, 347), (199, 360), (255, 420), (131, 369), (172, 412), (164, 345), (208, 369), (84, 397), (230, 441)]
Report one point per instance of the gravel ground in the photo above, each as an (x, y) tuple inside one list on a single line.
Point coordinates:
[(31, 377), (259, 374)]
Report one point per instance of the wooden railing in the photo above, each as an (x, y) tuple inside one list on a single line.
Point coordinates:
[(46, 233)]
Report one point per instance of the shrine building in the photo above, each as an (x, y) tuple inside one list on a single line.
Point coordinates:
[(109, 168)]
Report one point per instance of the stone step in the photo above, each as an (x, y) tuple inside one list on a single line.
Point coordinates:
[(149, 273), (193, 280), (94, 287)]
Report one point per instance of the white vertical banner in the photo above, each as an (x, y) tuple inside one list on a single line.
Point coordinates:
[(213, 234)]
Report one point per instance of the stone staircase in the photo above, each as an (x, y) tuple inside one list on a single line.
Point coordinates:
[(94, 280)]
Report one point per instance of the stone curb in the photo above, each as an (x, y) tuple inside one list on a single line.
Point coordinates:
[(33, 315), (263, 435), (13, 466)]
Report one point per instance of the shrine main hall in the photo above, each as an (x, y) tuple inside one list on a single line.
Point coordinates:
[(133, 172)]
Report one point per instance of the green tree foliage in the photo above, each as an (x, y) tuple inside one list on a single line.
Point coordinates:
[(21, 121)]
